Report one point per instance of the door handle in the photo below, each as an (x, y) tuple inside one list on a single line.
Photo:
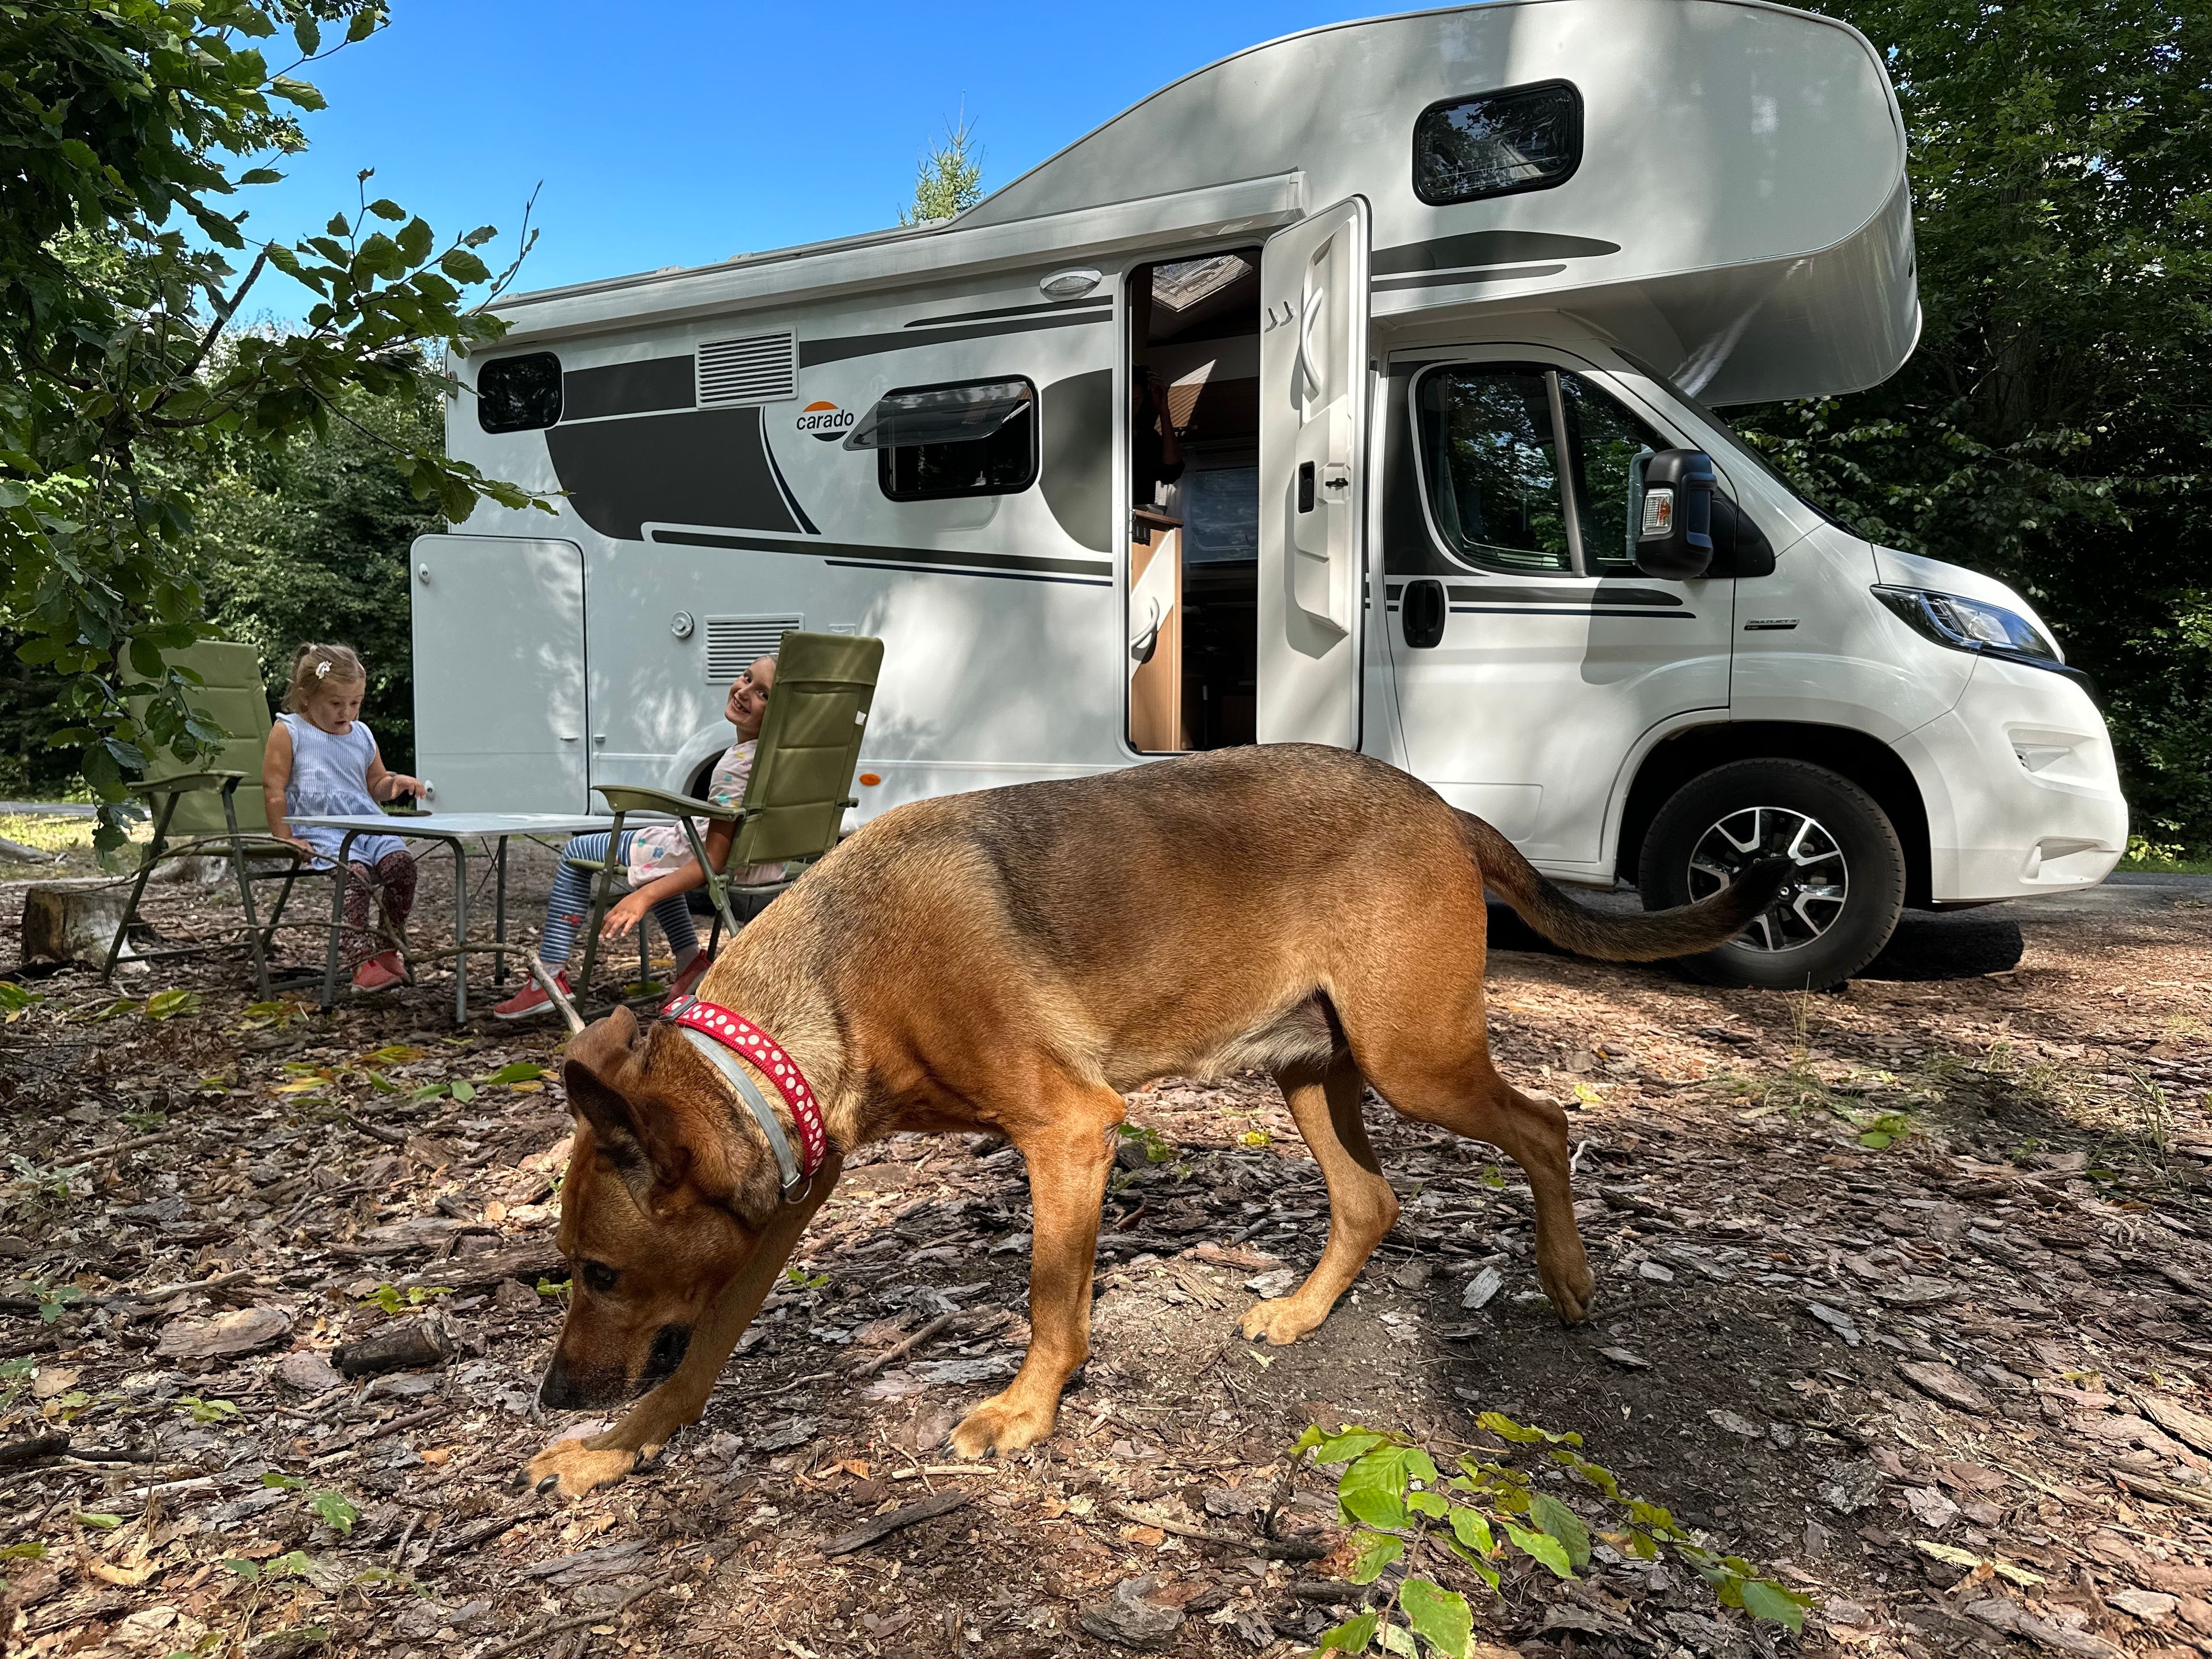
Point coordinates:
[(1421, 613), (1305, 486)]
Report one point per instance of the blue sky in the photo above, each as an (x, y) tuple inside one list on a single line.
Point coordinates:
[(674, 132)]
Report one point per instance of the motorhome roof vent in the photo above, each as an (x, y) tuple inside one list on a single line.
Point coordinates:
[(757, 369), (734, 643)]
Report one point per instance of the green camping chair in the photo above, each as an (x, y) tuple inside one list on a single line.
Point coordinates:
[(203, 803), (795, 800)]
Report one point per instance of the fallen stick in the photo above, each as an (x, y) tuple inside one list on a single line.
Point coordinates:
[(20, 1454), (902, 1348), (1294, 1549), (551, 987), (163, 1292), (601, 1616), (115, 1149), (375, 1131), (478, 1536), (883, 1526)]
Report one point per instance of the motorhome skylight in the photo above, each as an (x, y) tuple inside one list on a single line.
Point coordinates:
[(941, 414), (1182, 285), (1498, 144)]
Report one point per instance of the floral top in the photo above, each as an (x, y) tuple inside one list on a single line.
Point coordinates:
[(662, 849)]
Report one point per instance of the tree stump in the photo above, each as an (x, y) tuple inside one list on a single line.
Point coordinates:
[(72, 921)]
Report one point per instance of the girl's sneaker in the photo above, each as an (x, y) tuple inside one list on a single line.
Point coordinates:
[(382, 972), (530, 1000), (687, 981)]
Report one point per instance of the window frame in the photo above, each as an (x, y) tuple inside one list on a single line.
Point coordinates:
[(1036, 415), (1568, 465), (1574, 165), (560, 393)]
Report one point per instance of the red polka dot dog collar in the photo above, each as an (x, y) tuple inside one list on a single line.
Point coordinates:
[(723, 1038)]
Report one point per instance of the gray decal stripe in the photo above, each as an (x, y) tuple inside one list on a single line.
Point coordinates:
[(894, 557), (814, 352), (993, 575), (1485, 248), (1103, 303), (1580, 598), (1455, 278), (1563, 611), (641, 388)]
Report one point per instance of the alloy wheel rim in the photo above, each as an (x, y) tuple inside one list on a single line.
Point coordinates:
[(1813, 899)]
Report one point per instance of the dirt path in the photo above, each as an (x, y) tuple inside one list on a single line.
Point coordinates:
[(1903, 1295)]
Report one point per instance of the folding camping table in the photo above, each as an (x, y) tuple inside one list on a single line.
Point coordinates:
[(455, 829)]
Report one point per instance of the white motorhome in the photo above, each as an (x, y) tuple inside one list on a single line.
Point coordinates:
[(1323, 396)]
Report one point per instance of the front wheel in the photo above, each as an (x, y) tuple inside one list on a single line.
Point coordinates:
[(1845, 893)]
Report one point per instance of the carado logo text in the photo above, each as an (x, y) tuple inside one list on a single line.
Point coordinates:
[(825, 421)]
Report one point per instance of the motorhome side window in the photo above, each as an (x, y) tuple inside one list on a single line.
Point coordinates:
[(972, 438), (1491, 465), (1498, 144), (518, 394)]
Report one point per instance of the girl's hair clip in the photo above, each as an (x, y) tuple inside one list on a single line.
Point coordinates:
[(322, 669)]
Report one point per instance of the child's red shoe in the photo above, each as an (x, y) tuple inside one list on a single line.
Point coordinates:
[(530, 1000), (382, 972)]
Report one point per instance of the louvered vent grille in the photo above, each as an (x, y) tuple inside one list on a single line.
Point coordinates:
[(758, 369), (734, 642)]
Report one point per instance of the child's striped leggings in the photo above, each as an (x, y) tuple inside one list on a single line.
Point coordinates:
[(571, 902)]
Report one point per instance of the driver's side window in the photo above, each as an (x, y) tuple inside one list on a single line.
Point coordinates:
[(1491, 467)]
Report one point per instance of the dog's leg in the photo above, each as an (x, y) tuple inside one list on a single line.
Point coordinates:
[(1069, 1152), (578, 1467), (1361, 1205), (1470, 1099)]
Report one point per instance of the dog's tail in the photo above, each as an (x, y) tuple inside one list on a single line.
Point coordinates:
[(1681, 932)]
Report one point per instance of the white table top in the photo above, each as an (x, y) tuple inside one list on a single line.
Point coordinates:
[(450, 826)]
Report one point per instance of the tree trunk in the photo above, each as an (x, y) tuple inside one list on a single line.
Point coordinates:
[(72, 921)]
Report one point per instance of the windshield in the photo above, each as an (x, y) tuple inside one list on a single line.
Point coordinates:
[(1738, 446)]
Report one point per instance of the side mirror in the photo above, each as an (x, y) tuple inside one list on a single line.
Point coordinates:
[(1673, 493)]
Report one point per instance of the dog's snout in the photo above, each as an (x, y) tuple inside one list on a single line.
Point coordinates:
[(556, 1389), (567, 1388)]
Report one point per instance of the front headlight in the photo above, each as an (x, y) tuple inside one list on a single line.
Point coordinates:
[(1967, 624)]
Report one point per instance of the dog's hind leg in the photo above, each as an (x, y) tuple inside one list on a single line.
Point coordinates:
[(1066, 1137), (1466, 1095), (1361, 1205)]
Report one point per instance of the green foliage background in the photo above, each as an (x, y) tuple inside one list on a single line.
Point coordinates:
[(2055, 425)]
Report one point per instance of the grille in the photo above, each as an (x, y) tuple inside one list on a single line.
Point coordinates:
[(757, 369), (733, 642)]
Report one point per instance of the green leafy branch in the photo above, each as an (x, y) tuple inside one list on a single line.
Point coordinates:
[(1481, 1516)]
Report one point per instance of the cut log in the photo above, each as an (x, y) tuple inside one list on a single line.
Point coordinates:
[(404, 1345), (15, 852), (72, 921)]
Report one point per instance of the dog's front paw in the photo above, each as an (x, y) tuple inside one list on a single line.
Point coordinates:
[(1002, 1423), (1283, 1321), (576, 1467)]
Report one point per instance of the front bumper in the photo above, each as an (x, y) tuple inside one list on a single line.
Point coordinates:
[(2023, 793)]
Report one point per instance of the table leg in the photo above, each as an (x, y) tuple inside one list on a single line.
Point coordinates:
[(460, 932), (338, 879), (499, 920)]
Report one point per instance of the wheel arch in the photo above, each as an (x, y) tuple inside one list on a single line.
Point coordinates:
[(1866, 760)]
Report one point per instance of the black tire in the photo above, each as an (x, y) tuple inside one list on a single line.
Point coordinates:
[(1820, 930)]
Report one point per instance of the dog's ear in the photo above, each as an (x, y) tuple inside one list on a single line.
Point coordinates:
[(628, 1124)]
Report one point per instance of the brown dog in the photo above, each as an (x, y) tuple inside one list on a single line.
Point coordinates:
[(1015, 960)]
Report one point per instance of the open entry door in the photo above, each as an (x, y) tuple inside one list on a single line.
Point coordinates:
[(1313, 463), (499, 674)]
